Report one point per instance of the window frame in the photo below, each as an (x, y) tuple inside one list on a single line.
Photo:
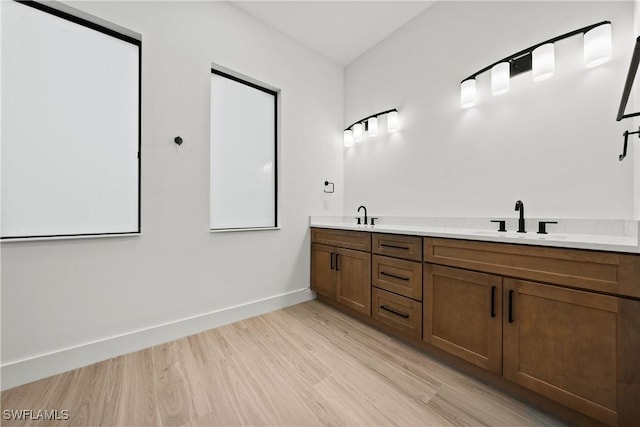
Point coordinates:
[(226, 73), (71, 17)]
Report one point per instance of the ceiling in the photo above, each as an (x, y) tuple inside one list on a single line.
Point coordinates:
[(338, 30)]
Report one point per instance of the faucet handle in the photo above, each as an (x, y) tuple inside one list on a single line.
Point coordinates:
[(373, 220), (359, 220), (542, 226), (503, 224)]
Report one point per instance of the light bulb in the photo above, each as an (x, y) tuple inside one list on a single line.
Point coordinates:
[(372, 124), (348, 138), (468, 96), (500, 77), (543, 62), (392, 121), (597, 45), (357, 132)]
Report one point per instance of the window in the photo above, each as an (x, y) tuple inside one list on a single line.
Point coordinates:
[(71, 125), (243, 154)]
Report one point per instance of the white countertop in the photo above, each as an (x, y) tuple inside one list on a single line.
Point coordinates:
[(602, 235)]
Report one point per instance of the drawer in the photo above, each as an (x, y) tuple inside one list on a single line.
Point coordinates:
[(395, 245), (402, 314), (358, 240), (398, 276), (593, 270)]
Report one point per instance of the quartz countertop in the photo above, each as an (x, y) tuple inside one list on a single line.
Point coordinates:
[(593, 234)]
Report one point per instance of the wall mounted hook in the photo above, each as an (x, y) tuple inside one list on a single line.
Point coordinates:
[(178, 140)]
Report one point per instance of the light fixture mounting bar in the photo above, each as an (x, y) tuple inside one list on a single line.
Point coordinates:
[(633, 68), (530, 49), (370, 117)]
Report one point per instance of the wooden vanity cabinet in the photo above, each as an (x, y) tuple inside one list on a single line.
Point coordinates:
[(397, 283), (574, 346), (339, 272), (562, 343), (463, 314)]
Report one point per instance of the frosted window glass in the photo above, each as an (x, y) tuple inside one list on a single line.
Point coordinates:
[(243, 155), (70, 134)]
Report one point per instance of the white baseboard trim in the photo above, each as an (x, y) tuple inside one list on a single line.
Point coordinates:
[(24, 371)]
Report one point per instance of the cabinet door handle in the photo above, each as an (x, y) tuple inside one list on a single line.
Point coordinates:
[(493, 301), (337, 262), (382, 273), (331, 262), (510, 305), (384, 245), (397, 313)]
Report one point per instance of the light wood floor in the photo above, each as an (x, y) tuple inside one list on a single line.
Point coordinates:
[(304, 365)]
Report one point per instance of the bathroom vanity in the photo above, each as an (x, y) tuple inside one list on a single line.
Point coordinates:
[(557, 326)]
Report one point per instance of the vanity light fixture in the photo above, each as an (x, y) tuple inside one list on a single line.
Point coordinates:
[(540, 59), (370, 125)]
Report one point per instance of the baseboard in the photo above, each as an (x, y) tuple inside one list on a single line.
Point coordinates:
[(35, 368)]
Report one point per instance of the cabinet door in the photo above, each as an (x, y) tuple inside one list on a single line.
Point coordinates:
[(561, 343), (323, 275), (463, 314), (354, 279)]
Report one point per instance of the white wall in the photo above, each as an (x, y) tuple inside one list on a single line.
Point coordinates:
[(68, 303), (553, 144)]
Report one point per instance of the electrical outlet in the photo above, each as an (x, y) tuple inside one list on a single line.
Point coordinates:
[(325, 205)]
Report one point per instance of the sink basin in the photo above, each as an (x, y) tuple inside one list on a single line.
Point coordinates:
[(515, 235)]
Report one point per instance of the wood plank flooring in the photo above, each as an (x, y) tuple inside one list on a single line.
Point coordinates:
[(306, 365)]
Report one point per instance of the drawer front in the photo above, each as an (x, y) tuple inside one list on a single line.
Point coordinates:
[(592, 270), (402, 314), (407, 247), (398, 276), (358, 240)]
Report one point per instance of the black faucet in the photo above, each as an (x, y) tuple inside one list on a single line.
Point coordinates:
[(520, 207), (365, 214)]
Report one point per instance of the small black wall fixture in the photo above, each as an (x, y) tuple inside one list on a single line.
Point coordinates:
[(178, 140), (328, 189), (626, 139), (525, 60), (354, 131)]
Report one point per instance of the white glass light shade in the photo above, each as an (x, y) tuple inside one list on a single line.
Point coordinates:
[(500, 77), (348, 138), (544, 62), (372, 125), (357, 132), (468, 96), (392, 121), (597, 45)]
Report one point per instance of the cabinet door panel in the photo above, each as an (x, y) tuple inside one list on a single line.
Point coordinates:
[(459, 316), (354, 279), (562, 343), (323, 275)]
